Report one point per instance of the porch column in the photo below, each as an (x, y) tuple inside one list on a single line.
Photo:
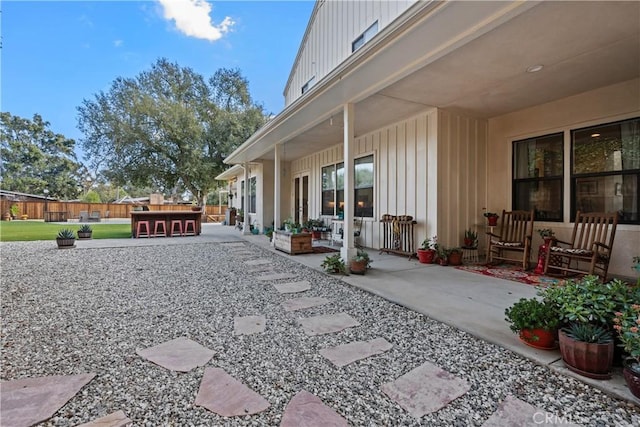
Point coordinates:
[(277, 175), (246, 228), (348, 250)]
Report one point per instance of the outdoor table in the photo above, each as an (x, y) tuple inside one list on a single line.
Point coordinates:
[(167, 217)]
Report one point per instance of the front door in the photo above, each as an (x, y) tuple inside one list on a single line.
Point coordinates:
[(301, 198)]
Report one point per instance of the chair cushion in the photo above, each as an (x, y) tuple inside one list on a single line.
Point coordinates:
[(506, 244), (571, 251)]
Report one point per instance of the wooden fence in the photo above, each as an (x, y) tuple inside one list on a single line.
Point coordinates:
[(36, 209)]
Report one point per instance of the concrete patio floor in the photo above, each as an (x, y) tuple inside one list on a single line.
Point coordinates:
[(470, 302)]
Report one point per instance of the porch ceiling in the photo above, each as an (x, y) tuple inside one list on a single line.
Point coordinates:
[(582, 46)]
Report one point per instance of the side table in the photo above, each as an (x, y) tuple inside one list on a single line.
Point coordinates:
[(470, 255)]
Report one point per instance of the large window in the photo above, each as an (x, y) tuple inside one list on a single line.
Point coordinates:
[(333, 188), (252, 195), (537, 171), (605, 169)]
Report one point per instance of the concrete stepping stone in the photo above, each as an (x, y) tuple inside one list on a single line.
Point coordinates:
[(292, 287), (260, 261), (261, 269), (307, 410), (180, 354), (275, 276), (425, 389), (221, 393), (234, 245), (344, 354), (515, 412), (247, 325), (327, 324), (115, 419), (304, 302), (29, 401)]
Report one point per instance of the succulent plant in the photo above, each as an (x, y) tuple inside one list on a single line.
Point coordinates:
[(589, 333), (85, 228), (66, 233)]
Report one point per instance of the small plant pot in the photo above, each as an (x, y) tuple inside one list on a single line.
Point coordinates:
[(539, 338), (443, 261), (493, 221), (588, 359), (468, 242), (426, 256), (24, 217), (84, 235), (358, 267), (631, 377), (455, 258), (66, 243)]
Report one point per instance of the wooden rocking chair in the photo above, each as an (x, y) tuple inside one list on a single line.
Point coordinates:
[(514, 236), (589, 250)]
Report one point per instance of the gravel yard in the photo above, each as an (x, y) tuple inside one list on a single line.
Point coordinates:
[(88, 310)]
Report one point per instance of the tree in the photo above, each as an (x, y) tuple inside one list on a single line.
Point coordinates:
[(168, 128), (34, 158)]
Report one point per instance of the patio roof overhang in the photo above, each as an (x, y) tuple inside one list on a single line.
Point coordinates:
[(468, 57)]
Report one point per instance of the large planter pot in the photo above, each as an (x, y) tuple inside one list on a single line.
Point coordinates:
[(539, 338), (426, 256), (632, 377), (84, 235), (591, 360), (358, 267), (455, 258), (66, 243)]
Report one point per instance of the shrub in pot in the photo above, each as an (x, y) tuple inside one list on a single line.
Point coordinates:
[(587, 349), (470, 239), (454, 256), (535, 321), (427, 251), (65, 239), (627, 326), (360, 263), (334, 264), (85, 232)]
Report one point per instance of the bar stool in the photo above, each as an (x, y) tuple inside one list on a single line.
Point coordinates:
[(147, 228), (192, 223), (158, 226), (176, 223)]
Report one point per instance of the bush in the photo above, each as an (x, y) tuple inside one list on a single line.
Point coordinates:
[(532, 314), (334, 264)]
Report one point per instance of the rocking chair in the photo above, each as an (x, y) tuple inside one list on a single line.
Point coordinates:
[(514, 236)]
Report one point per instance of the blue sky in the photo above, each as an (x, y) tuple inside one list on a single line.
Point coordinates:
[(55, 54)]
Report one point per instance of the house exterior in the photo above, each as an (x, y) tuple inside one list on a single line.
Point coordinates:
[(446, 110)]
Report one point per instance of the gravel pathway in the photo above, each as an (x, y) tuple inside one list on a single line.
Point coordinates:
[(88, 310)]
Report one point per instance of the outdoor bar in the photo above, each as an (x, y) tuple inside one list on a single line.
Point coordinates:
[(167, 217)]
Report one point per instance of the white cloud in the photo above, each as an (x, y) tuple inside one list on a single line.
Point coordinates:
[(192, 18), (117, 43)]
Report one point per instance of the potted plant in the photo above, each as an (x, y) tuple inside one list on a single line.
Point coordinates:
[(470, 239), (492, 217), (85, 232), (454, 256), (14, 210), (334, 264), (636, 266), (288, 224), (535, 321), (360, 262), (627, 325), (66, 239), (587, 349), (442, 256), (427, 251)]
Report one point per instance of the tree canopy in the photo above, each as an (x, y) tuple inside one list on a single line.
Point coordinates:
[(33, 158), (168, 127)]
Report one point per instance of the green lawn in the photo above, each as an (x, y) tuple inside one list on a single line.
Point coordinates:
[(17, 231)]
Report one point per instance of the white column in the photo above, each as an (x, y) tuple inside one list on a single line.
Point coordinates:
[(348, 250), (246, 229), (277, 182)]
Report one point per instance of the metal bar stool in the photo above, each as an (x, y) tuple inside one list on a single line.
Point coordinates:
[(156, 229), (146, 226), (192, 223), (176, 223)]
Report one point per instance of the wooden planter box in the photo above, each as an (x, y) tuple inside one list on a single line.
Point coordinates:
[(292, 243)]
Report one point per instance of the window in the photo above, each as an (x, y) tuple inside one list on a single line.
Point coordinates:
[(252, 195), (538, 176), (605, 169), (308, 84), (333, 188), (364, 37)]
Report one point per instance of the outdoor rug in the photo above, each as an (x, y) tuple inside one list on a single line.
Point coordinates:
[(323, 250), (512, 272)]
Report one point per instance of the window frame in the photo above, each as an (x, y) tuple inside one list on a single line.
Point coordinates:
[(308, 85), (338, 189), (364, 37)]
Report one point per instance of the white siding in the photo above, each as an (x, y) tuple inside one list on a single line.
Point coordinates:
[(330, 33)]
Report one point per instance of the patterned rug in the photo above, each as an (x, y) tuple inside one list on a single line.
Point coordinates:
[(323, 250), (512, 272)]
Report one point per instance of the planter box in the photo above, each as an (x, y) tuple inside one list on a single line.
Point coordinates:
[(292, 243)]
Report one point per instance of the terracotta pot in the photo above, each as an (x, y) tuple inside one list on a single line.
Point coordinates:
[(539, 338), (65, 243), (358, 267), (443, 261), (591, 360), (632, 378), (468, 242), (316, 234), (493, 221), (455, 258), (426, 256)]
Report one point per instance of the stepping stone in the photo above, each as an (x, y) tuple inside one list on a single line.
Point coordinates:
[(425, 389), (234, 245), (307, 410), (304, 302), (29, 401), (293, 287), (342, 355), (248, 325), (180, 354), (221, 393), (327, 324), (276, 276), (115, 419), (261, 261), (261, 269), (515, 412)]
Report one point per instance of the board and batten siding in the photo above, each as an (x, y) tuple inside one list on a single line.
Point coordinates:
[(332, 29), (430, 166)]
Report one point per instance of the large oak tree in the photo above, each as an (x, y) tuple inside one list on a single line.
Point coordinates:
[(169, 127)]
